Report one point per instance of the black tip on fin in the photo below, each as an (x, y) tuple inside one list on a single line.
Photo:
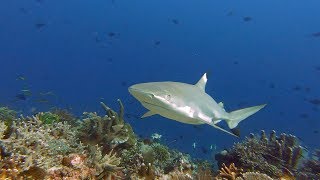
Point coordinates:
[(236, 131)]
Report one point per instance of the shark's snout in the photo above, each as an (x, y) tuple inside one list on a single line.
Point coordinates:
[(140, 93)]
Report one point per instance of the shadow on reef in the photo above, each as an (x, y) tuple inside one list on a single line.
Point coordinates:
[(57, 145)]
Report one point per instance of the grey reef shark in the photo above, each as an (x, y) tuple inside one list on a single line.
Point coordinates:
[(188, 103)]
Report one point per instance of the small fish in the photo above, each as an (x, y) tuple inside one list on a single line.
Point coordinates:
[(26, 92), (194, 145), (110, 60), (21, 78), (40, 25), (157, 43), (175, 21), (314, 101), (42, 101), (272, 85), (111, 34), (230, 13), (304, 115), (49, 93), (297, 88), (247, 18), (316, 34)]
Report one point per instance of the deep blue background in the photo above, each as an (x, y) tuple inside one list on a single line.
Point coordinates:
[(251, 63)]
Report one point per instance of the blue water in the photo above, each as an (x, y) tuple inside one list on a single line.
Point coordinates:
[(83, 52)]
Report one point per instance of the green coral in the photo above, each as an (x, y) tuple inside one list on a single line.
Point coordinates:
[(161, 152), (7, 116), (48, 118)]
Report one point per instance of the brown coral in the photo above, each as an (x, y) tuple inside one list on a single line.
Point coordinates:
[(229, 173), (109, 131), (254, 176)]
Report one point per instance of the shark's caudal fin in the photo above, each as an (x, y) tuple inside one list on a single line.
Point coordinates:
[(237, 116)]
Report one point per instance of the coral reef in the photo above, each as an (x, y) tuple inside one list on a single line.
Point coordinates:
[(254, 176), (56, 145), (311, 167), (109, 131), (153, 160), (267, 155), (229, 173)]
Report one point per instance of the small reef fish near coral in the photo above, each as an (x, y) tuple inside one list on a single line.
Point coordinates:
[(188, 103)]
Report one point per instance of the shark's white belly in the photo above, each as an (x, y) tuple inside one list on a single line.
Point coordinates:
[(172, 114)]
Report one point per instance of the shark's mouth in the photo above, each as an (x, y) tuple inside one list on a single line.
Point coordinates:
[(145, 102)]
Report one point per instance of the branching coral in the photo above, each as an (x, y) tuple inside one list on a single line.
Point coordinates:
[(107, 165), (153, 160), (267, 155), (311, 167), (38, 146), (109, 131), (229, 173)]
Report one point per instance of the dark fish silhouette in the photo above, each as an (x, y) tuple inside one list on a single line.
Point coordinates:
[(175, 21), (157, 43), (304, 115), (247, 18), (297, 88), (314, 101), (40, 25), (111, 34), (316, 34), (272, 85)]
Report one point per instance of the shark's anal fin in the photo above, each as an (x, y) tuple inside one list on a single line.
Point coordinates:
[(147, 114), (202, 82)]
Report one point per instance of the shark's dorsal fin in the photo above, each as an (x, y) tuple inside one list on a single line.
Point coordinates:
[(221, 104), (147, 114), (202, 82)]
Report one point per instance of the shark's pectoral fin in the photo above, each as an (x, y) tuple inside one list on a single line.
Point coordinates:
[(147, 114), (218, 127)]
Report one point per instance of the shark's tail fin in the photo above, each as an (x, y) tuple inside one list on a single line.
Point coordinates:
[(235, 117)]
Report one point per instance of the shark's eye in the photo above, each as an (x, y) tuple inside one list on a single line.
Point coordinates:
[(168, 97)]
